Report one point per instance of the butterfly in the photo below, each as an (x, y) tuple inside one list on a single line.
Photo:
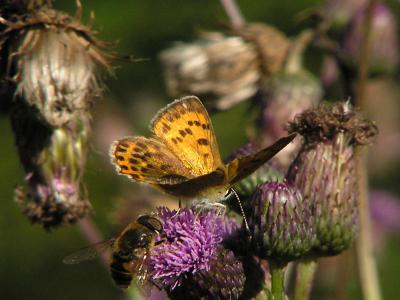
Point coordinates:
[(183, 159)]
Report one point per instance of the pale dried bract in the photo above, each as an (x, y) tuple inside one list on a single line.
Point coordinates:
[(52, 59), (271, 44), (225, 68)]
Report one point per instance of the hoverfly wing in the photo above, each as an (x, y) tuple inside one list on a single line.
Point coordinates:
[(88, 253)]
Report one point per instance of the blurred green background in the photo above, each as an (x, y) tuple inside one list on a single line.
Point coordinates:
[(30, 258)]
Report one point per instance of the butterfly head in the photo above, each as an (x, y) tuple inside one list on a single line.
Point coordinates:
[(213, 194)]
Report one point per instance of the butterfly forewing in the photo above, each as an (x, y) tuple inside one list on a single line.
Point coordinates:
[(241, 167), (185, 127), (148, 160)]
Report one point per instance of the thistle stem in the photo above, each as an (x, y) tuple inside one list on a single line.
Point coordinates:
[(233, 12), (366, 262), (93, 236), (277, 277), (304, 279)]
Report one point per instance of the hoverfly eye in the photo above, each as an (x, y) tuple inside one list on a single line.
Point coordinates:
[(151, 222)]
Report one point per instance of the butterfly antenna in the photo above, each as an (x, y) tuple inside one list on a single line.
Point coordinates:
[(241, 210)]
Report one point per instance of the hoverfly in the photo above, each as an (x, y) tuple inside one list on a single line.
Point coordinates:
[(129, 250)]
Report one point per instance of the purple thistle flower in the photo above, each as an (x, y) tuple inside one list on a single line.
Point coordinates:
[(384, 49), (189, 250), (385, 211)]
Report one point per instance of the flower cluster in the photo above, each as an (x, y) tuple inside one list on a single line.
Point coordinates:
[(191, 259)]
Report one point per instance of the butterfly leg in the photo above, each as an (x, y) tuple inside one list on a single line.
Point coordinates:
[(179, 208)]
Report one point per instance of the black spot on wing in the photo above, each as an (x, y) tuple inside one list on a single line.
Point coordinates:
[(142, 145), (182, 132), (189, 131), (120, 149), (203, 142)]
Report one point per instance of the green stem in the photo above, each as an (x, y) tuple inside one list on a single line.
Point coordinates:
[(304, 279), (277, 282), (366, 262)]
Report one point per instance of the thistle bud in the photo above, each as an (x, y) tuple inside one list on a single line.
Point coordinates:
[(324, 171), (52, 59), (224, 67), (54, 161), (283, 96), (384, 45), (341, 12), (280, 223)]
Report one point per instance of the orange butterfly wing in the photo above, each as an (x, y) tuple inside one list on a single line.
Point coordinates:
[(148, 160), (185, 128)]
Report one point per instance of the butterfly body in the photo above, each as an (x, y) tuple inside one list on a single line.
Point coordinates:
[(183, 158)]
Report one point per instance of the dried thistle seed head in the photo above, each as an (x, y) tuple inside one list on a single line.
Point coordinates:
[(283, 96), (225, 68), (272, 45), (280, 223), (54, 161), (324, 171), (52, 59), (326, 121)]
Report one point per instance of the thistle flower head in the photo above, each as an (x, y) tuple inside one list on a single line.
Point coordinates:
[(52, 59), (223, 67), (271, 44), (283, 96), (324, 171), (341, 12), (280, 223), (54, 161), (191, 254), (384, 49), (385, 211)]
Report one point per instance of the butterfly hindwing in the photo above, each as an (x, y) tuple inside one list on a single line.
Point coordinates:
[(185, 127), (148, 160), (241, 167), (195, 185)]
